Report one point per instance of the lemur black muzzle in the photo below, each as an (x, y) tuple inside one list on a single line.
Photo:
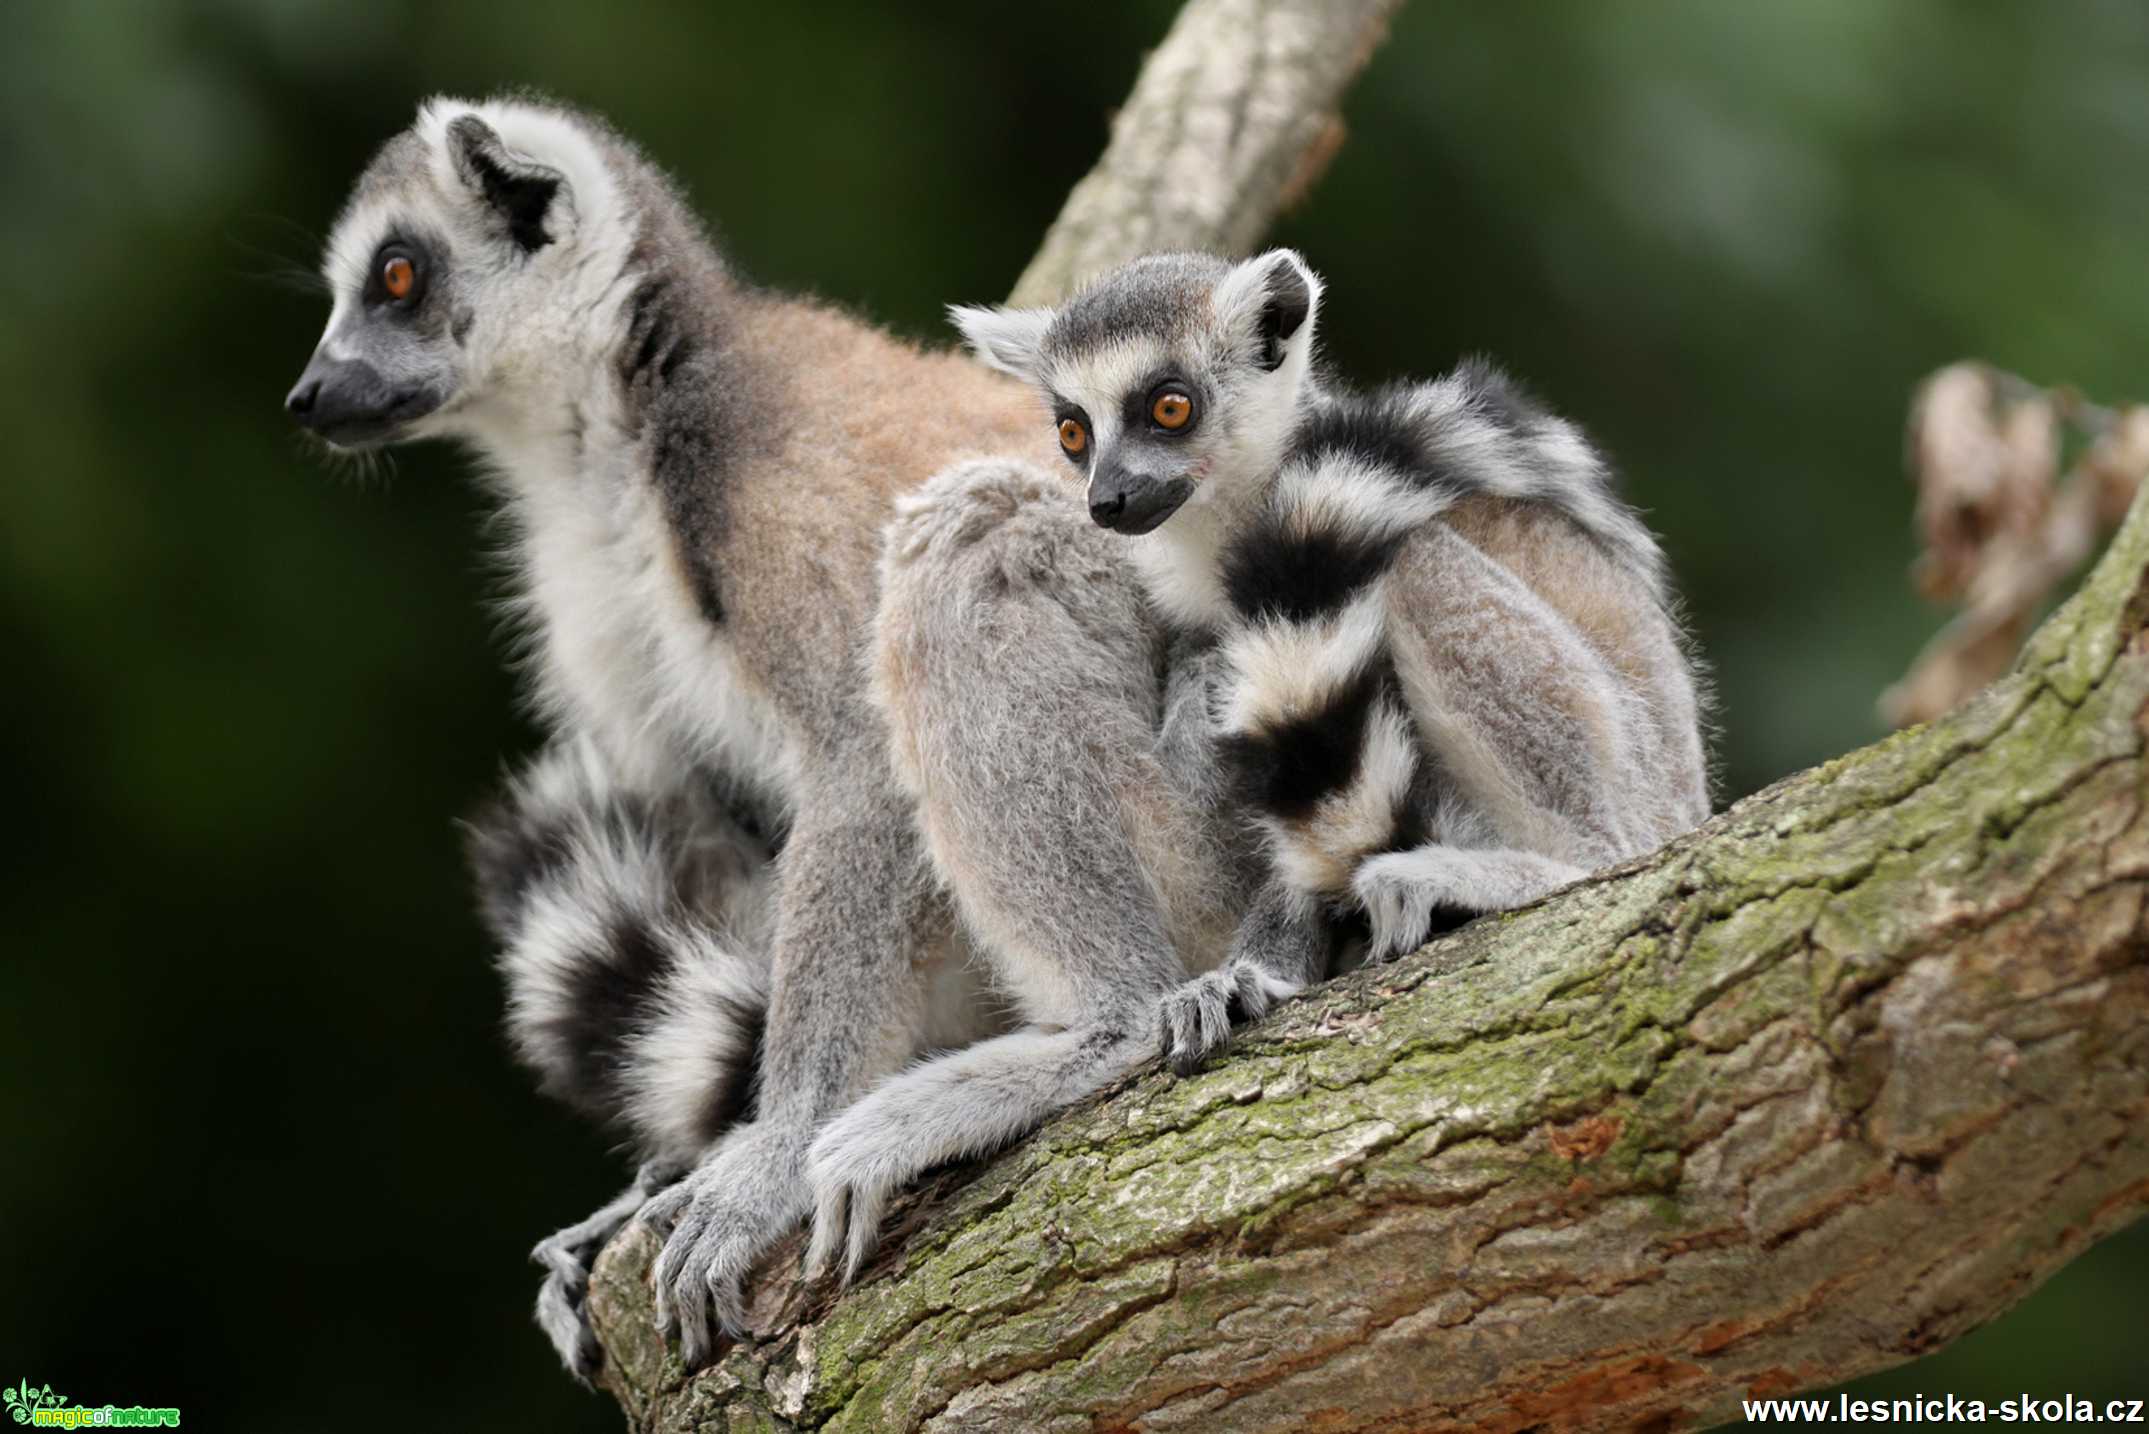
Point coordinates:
[(1132, 504), (347, 401)]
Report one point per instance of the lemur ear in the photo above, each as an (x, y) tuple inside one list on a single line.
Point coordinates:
[(1277, 296), (524, 193), (1009, 340)]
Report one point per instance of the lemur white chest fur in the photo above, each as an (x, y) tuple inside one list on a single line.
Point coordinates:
[(619, 648), (1181, 565)]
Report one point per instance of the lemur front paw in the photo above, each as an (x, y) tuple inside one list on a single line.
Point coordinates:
[(1409, 897), (1198, 1017), (1404, 905), (717, 1222)]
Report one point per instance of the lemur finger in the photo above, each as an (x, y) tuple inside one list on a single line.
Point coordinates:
[(867, 1206), (696, 1342), (831, 1228), (1249, 997), (667, 1317), (665, 1279), (661, 1211), (1215, 1008), (683, 1298), (1180, 1046), (728, 1255)]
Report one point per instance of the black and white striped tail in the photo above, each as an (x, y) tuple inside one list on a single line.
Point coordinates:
[(1313, 723), (1316, 734), (630, 936)]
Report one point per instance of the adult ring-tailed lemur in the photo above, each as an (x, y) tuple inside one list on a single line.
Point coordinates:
[(832, 799), (865, 741)]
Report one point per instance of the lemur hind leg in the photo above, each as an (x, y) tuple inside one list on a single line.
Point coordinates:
[(1025, 684)]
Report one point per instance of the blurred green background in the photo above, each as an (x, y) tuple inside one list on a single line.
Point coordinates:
[(265, 1155)]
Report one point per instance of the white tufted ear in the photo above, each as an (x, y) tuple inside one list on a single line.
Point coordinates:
[(1277, 299), (525, 195), (1009, 340)]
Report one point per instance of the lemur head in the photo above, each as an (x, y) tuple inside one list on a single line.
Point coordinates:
[(451, 269), (1172, 379)]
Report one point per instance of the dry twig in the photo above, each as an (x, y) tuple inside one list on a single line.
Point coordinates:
[(2002, 529)]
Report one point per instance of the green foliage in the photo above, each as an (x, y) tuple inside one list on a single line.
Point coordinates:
[(279, 1154)]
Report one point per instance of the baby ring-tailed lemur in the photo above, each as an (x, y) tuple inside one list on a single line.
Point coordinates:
[(864, 742), (1452, 676)]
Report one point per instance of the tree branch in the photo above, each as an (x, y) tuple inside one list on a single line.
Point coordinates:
[(1813, 1091), (1232, 120)]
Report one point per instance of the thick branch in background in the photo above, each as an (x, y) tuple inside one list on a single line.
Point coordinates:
[(1812, 1091), (1234, 117)]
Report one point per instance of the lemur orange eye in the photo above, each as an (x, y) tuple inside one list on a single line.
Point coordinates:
[(1073, 436), (1171, 410), (397, 277)]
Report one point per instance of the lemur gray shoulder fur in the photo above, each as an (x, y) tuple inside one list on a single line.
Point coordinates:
[(864, 745), (1453, 677)]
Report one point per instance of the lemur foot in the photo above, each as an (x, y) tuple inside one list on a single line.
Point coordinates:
[(562, 1311), (1200, 1015), (719, 1220)]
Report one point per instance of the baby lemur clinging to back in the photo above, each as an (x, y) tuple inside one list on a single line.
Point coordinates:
[(1451, 675)]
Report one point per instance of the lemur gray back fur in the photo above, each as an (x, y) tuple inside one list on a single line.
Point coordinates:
[(1422, 724)]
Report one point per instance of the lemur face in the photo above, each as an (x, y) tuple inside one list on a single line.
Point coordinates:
[(1171, 380), (441, 269)]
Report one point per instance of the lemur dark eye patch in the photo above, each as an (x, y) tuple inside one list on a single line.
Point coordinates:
[(1167, 404), (398, 277)]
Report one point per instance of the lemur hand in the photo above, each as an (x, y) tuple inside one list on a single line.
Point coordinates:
[(744, 1196), (1199, 1017)]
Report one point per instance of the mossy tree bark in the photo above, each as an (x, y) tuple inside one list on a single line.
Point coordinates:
[(1810, 1092)]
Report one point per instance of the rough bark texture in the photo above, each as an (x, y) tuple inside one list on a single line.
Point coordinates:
[(1234, 117), (1813, 1091)]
